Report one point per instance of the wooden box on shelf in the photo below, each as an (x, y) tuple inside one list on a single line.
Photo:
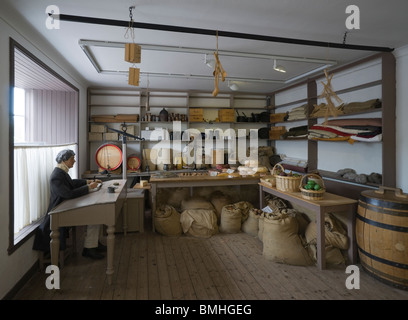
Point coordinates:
[(226, 115), (275, 133), (95, 136), (100, 128), (277, 117)]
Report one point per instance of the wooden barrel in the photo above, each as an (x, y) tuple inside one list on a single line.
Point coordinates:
[(108, 157), (382, 235), (133, 163)]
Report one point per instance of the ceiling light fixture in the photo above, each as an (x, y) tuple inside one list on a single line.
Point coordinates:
[(210, 63), (278, 67), (233, 86)]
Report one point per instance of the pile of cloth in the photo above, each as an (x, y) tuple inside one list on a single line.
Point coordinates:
[(296, 132), (346, 108), (298, 113), (357, 129)]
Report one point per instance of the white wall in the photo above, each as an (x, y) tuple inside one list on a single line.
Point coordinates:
[(13, 267)]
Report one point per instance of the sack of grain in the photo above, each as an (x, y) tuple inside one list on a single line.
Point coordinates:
[(230, 219), (251, 225), (200, 223), (167, 221), (196, 203), (282, 243), (218, 199), (335, 234), (333, 255)]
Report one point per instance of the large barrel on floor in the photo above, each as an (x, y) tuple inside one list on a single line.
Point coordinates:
[(382, 235)]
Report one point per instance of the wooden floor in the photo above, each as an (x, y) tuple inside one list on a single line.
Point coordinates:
[(149, 266)]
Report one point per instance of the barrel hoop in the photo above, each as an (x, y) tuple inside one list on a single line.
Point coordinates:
[(385, 204), (382, 260), (386, 278), (382, 225)]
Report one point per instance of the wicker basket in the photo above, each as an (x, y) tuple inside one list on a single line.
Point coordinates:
[(312, 194), (286, 183)]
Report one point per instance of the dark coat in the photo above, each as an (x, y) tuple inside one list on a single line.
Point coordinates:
[(62, 187)]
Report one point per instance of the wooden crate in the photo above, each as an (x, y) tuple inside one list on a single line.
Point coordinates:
[(276, 132), (100, 128), (111, 136), (95, 136), (196, 118), (226, 115), (277, 117), (196, 112)]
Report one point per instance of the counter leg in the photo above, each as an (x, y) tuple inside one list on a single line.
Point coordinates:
[(55, 245), (320, 239), (351, 231), (154, 190), (110, 239), (125, 217)]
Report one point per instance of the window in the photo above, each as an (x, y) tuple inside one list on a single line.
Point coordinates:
[(43, 120)]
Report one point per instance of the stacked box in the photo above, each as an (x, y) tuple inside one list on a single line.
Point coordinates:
[(196, 115), (111, 136), (275, 133), (277, 117), (100, 128), (95, 136), (226, 115)]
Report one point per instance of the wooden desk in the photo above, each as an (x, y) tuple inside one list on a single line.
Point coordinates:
[(195, 181), (97, 207), (331, 203)]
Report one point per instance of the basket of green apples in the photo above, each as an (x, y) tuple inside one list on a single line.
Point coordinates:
[(313, 188)]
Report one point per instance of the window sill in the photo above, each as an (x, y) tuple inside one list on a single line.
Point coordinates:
[(23, 235)]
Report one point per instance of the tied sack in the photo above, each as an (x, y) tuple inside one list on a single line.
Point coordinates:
[(232, 216), (200, 223), (167, 221), (335, 234), (282, 243), (251, 225)]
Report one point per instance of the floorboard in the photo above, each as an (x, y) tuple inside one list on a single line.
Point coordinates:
[(149, 266)]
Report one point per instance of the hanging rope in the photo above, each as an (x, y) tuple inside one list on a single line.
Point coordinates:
[(218, 70), (130, 31), (328, 94)]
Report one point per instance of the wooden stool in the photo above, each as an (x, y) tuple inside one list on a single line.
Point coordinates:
[(44, 259)]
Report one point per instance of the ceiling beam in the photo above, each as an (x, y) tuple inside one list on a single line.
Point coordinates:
[(220, 33)]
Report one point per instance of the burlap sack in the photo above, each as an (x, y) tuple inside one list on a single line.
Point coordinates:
[(281, 242), (335, 234), (196, 203), (230, 219), (167, 221), (333, 255), (218, 199), (200, 223), (260, 227), (251, 225)]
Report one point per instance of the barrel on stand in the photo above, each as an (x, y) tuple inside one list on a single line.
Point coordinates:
[(109, 157), (382, 235)]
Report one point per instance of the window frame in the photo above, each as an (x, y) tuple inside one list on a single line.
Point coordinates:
[(28, 231)]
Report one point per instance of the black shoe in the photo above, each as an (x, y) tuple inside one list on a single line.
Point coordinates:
[(92, 253), (101, 247)]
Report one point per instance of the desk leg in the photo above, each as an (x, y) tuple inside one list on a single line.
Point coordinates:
[(55, 244), (154, 191), (321, 239), (261, 197), (351, 231), (110, 239), (125, 217)]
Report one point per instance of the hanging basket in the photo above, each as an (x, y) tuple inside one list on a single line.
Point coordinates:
[(311, 194), (289, 183)]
